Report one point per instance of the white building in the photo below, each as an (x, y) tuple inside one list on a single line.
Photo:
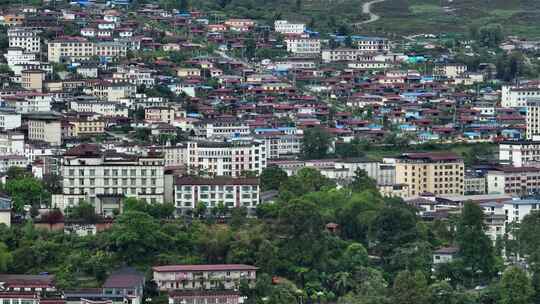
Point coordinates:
[(514, 96), (286, 27), (9, 119), (104, 179), (26, 38), (341, 54), (232, 192), (533, 117), (101, 107), (18, 56), (281, 145), (11, 143), (516, 210), (450, 70), (372, 44), (519, 153), (45, 126), (134, 75), (30, 102), (513, 180), (221, 128), (303, 46)]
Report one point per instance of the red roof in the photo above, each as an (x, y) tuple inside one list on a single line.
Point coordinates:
[(212, 267)]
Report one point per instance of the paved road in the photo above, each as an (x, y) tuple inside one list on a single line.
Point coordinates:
[(366, 10)]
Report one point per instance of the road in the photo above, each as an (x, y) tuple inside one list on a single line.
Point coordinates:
[(366, 10)]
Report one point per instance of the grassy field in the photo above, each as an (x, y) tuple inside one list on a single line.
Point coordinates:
[(518, 17)]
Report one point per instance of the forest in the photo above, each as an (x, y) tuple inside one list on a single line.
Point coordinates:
[(381, 251)]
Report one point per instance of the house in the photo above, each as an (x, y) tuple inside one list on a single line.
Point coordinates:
[(444, 255), (5, 210), (205, 297), (127, 282), (203, 277), (27, 282)]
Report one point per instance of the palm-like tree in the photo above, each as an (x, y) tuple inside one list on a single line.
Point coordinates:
[(342, 282)]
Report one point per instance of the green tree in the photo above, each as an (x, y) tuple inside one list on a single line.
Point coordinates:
[(26, 191), (475, 247), (490, 35), (315, 143), (410, 288), (515, 287), (6, 258), (361, 181), (272, 177), (84, 211)]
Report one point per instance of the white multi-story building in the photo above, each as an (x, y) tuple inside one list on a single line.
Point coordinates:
[(341, 54), (104, 178), (8, 161), (281, 145), (533, 118), (11, 143), (70, 49), (513, 180), (134, 75), (232, 192), (519, 153), (17, 56), (45, 127), (30, 102), (221, 128), (371, 44), (25, 38), (9, 119), (101, 107), (286, 27), (516, 210), (225, 158), (303, 46), (450, 70), (515, 96)]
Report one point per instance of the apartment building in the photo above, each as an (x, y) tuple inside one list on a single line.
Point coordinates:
[(84, 126), (91, 105), (105, 178), (9, 161), (9, 119), (475, 184), (70, 49), (32, 80), (18, 56), (437, 173), (45, 126), (232, 192), (371, 44), (134, 75), (203, 277), (221, 128), (519, 153), (341, 54), (225, 158), (494, 219), (533, 118), (516, 210), (450, 71), (11, 143), (517, 96), (303, 46), (513, 180), (26, 38), (281, 145), (111, 91), (110, 49), (159, 114), (286, 27)]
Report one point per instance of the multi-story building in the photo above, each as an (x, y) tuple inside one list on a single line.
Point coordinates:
[(371, 44), (110, 49), (519, 153), (11, 143), (513, 180), (303, 46), (45, 126), (225, 158), (533, 118), (450, 70), (281, 145), (9, 119), (437, 173), (101, 107), (111, 91), (134, 75), (474, 183), (203, 277), (286, 27), (516, 210), (32, 80), (8, 161), (495, 219), (517, 96), (221, 128), (232, 192), (105, 178), (159, 114), (26, 38), (341, 54), (70, 49), (82, 126), (18, 56), (29, 102)]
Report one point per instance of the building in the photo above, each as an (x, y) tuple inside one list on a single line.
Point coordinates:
[(232, 192), (341, 54), (45, 126), (11, 143), (513, 180), (371, 44), (221, 128), (8, 161), (437, 173), (450, 71), (495, 219), (126, 282), (444, 255), (279, 145), (134, 75), (304, 46), (159, 114), (517, 96), (516, 210), (5, 210), (26, 282), (475, 183), (519, 153), (26, 38), (203, 277), (205, 297), (229, 158), (32, 80), (70, 49), (286, 27), (105, 178), (9, 119), (533, 118)]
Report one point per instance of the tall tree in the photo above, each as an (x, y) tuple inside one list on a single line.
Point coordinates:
[(515, 287), (315, 143), (475, 247), (410, 288), (6, 258), (272, 177)]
